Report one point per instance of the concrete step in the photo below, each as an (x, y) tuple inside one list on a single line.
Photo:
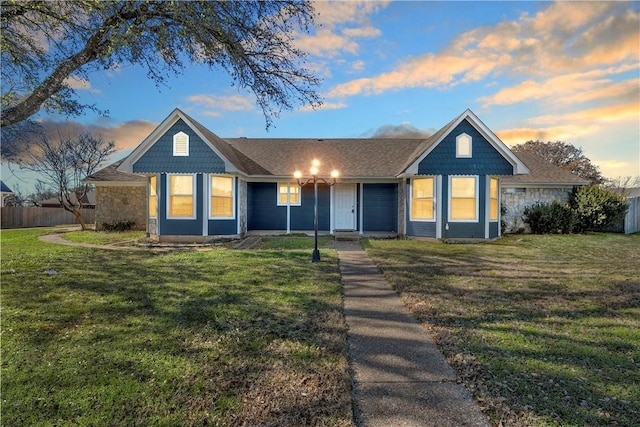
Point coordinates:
[(347, 236)]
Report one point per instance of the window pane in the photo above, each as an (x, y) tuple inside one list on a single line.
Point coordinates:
[(463, 209), (294, 199), (422, 209), (222, 186), (180, 206), (493, 214), (153, 200), (463, 187), (423, 187), (221, 206), (494, 188), (152, 186), (181, 184)]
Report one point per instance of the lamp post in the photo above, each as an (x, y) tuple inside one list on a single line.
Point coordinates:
[(314, 178)]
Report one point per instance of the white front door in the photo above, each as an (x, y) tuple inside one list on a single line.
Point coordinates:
[(344, 201)]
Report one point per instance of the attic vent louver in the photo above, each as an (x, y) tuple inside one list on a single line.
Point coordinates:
[(180, 144)]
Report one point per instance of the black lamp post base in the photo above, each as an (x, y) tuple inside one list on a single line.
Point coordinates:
[(316, 256)]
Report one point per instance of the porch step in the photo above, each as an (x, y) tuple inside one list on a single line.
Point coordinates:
[(347, 236)]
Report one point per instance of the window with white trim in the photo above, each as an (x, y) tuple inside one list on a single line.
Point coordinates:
[(288, 194), (181, 197), (493, 199), (423, 199), (463, 145), (180, 144), (153, 197), (221, 197), (463, 198)]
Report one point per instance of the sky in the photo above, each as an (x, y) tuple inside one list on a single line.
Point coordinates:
[(550, 71)]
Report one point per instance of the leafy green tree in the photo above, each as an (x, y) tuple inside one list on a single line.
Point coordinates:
[(64, 162), (46, 46), (565, 156), (597, 208)]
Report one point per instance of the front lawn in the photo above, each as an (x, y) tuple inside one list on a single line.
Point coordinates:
[(544, 330), (222, 337)]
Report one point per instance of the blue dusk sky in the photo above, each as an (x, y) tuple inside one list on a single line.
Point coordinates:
[(567, 71)]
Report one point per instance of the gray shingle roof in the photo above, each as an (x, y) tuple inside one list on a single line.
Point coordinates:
[(351, 157), (111, 174), (543, 172)]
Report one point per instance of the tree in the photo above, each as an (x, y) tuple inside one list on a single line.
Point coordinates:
[(64, 162), (565, 156), (46, 46)]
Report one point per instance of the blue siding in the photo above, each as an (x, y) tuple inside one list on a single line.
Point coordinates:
[(380, 210), (160, 158), (493, 230), (302, 216), (421, 229), (222, 227), (263, 213), (485, 160), (180, 227)]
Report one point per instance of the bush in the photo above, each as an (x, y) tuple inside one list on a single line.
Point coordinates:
[(118, 226), (546, 218), (597, 208)]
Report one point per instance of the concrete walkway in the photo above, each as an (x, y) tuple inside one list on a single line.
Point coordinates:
[(399, 376)]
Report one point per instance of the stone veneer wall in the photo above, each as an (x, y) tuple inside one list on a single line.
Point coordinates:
[(114, 204), (515, 203)]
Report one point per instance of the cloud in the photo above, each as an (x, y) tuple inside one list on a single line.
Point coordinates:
[(585, 117), (325, 106), (225, 103), (126, 135), (78, 83), (568, 89), (616, 168), (555, 48), (427, 71), (333, 37), (403, 130), (554, 133)]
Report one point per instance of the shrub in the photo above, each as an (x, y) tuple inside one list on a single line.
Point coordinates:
[(118, 225), (597, 208), (549, 218)]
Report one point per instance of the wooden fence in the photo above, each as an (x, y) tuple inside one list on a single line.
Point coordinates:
[(632, 220), (20, 217)]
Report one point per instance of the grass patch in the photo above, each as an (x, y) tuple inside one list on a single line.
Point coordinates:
[(294, 241), (103, 237), (544, 330), (95, 337)]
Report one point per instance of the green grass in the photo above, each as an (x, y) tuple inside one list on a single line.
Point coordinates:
[(544, 330), (294, 241), (102, 237), (96, 337)]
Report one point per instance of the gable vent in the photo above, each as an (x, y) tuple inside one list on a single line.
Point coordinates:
[(180, 144)]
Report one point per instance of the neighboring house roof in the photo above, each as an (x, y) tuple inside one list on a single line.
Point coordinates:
[(543, 172), (111, 174), (89, 199), (628, 192), (4, 188)]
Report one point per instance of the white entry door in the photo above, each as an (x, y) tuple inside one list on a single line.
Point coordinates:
[(344, 207)]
